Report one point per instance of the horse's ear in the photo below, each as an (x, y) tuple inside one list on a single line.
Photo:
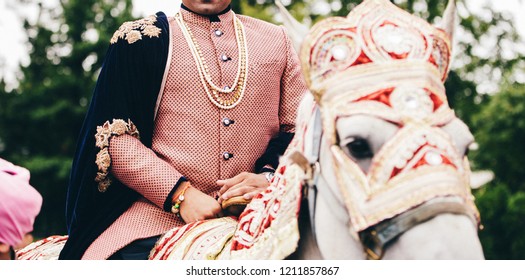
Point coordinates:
[(296, 30), (448, 24)]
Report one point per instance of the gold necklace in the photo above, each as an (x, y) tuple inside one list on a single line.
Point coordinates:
[(224, 98)]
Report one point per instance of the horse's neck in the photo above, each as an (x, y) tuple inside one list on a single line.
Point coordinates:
[(332, 230), (307, 248), (331, 239), (330, 218)]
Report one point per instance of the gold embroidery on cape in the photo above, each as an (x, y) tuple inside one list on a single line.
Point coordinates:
[(104, 133), (132, 31)]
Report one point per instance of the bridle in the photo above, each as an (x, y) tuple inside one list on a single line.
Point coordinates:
[(310, 189), (376, 238)]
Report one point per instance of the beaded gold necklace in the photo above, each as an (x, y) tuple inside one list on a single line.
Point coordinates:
[(224, 98)]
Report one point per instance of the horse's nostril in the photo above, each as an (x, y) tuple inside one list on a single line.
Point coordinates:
[(359, 148)]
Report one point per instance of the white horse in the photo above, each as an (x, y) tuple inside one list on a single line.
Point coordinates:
[(386, 157), (440, 229), (378, 162)]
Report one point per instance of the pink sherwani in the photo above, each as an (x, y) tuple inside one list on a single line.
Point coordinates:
[(192, 135)]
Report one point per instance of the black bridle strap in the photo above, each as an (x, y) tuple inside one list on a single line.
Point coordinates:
[(377, 237), (314, 163), (316, 176), (316, 137)]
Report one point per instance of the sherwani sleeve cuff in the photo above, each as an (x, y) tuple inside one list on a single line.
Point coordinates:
[(139, 168), (276, 148), (168, 203), (267, 168)]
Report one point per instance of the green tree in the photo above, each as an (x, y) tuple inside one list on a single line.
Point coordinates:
[(40, 120), (500, 133)]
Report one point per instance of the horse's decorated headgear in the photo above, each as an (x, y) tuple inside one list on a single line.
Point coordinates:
[(372, 54), (383, 62)]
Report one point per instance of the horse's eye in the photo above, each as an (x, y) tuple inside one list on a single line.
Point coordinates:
[(359, 148)]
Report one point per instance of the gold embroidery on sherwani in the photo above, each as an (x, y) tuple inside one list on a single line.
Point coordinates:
[(104, 133), (132, 31)]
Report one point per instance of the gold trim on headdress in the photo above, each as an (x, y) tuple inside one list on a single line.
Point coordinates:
[(374, 32)]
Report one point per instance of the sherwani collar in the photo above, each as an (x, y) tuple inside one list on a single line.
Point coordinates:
[(190, 16)]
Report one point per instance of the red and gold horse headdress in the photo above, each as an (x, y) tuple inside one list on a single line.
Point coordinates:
[(384, 62), (380, 53), (376, 34)]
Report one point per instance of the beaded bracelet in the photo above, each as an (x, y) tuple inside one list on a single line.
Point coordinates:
[(175, 208)]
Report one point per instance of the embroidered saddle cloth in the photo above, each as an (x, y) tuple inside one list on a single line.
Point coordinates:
[(267, 229)]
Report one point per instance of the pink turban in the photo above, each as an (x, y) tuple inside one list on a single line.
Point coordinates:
[(19, 203)]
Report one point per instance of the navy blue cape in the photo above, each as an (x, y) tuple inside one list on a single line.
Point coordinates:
[(127, 88)]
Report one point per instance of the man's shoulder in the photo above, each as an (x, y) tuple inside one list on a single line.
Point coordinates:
[(260, 25), (145, 29)]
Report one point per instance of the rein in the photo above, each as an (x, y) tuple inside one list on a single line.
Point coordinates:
[(376, 238), (310, 191), (311, 185)]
